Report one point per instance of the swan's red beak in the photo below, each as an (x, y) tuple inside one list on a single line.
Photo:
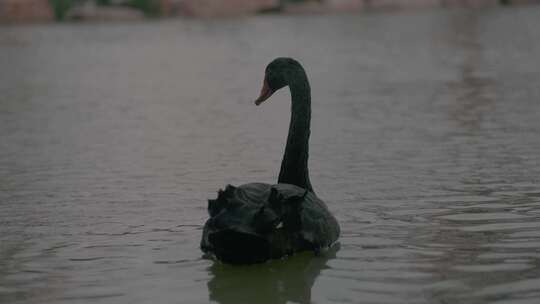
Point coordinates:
[(266, 92)]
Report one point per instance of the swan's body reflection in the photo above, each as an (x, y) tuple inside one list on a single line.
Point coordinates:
[(276, 281)]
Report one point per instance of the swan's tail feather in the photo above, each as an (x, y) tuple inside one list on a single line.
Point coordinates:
[(214, 207), (223, 199)]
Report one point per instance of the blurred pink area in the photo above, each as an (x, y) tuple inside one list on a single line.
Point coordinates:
[(25, 11)]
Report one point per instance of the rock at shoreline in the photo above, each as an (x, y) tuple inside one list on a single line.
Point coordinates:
[(91, 12), (325, 6), (377, 5), (216, 8)]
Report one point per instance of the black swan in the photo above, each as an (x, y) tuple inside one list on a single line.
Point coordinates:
[(256, 222)]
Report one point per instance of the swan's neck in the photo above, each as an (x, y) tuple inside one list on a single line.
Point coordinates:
[(294, 167)]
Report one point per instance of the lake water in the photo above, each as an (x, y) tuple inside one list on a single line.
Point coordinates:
[(425, 145)]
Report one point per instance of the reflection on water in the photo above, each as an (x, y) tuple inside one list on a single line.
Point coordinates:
[(474, 89), (424, 145), (282, 281)]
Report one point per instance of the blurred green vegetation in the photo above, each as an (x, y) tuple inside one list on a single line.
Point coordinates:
[(103, 2), (60, 8), (150, 8)]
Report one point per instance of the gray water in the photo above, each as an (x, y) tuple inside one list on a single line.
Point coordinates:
[(424, 145)]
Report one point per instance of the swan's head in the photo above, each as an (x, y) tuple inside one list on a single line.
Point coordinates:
[(276, 76)]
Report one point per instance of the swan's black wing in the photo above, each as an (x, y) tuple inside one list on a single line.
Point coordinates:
[(282, 218), (319, 226)]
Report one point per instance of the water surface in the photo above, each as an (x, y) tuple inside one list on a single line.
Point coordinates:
[(424, 144)]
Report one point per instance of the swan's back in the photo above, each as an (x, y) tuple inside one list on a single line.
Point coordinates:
[(256, 222)]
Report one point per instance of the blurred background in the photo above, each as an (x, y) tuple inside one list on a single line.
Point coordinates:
[(48, 10)]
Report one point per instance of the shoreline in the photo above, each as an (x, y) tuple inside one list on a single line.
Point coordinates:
[(41, 11)]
